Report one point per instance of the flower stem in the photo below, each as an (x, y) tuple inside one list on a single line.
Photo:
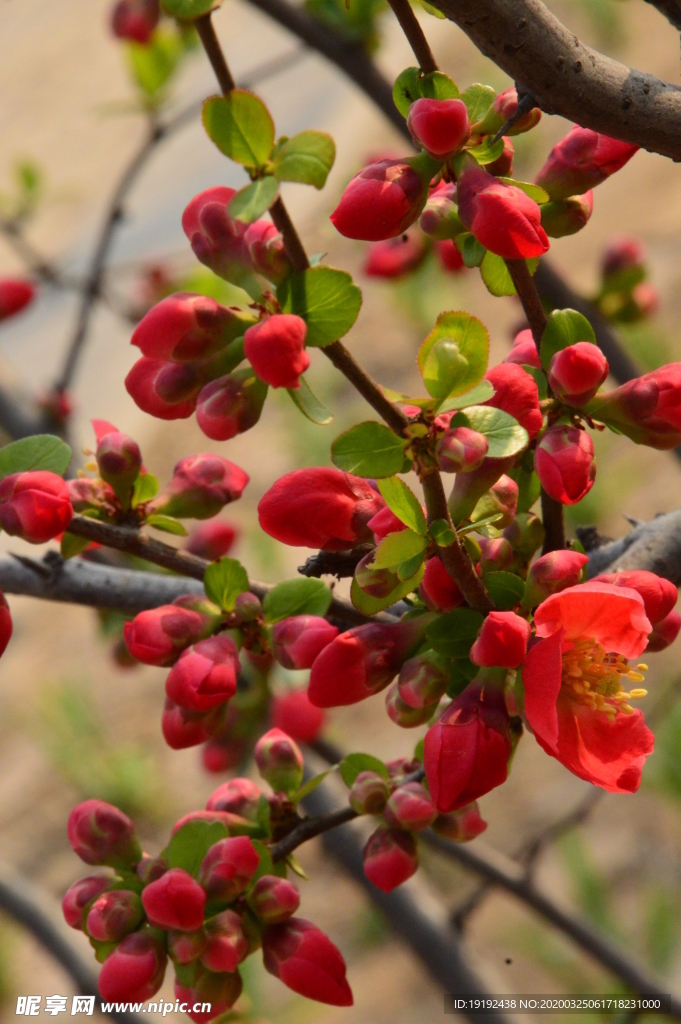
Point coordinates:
[(404, 13)]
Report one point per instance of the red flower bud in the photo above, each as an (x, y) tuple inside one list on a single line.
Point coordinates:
[(35, 506), (410, 807), (502, 497), (114, 914), (219, 991), (212, 540), (449, 256), (135, 20), (567, 216), (119, 461), (440, 217), (227, 943), (524, 350), (646, 409), (228, 867), (306, 960), (279, 761), (525, 534), (503, 108), (215, 237), (293, 713), (390, 858), (496, 554), (5, 624), (564, 460), (395, 257), (205, 675), (231, 404), (577, 372), (623, 253), (659, 595), (423, 680), (150, 868), (664, 633), (159, 635), (441, 127), (383, 523), (134, 971), (403, 714), (222, 753), (466, 753), (78, 897), (165, 390), (375, 582), (266, 250), (186, 947), (185, 327), (552, 573), (460, 826), (15, 294), (360, 662), (275, 348), (369, 793), (502, 167), (580, 161), (101, 834), (502, 217), (319, 508), (237, 796), (381, 201), (183, 728), (437, 587), (274, 899), (175, 900), (201, 486), (515, 391), (461, 450), (502, 641)]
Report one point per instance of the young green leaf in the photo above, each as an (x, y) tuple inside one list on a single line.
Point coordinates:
[(369, 605), (478, 99), (370, 449), (191, 843), (442, 533), (496, 277), (485, 152), (153, 64), (482, 392), (325, 298), (71, 545), (472, 251), (224, 581), (453, 358), (406, 89), (535, 192), (307, 158), (397, 548), (479, 524), (252, 201), (351, 766), (407, 570), (401, 500), (308, 403), (188, 10), (565, 327), (505, 435), (505, 589), (241, 127), (438, 86), (454, 633), (169, 524), (301, 596), (145, 488), (309, 787), (39, 452)]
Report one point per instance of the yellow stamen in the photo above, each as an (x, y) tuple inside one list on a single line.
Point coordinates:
[(642, 668), (638, 693), (593, 677)]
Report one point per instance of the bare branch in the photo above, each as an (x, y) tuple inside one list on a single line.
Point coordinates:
[(341, 564), (671, 10), (655, 546), (308, 829), (416, 37)]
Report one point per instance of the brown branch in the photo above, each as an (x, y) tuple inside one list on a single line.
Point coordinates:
[(341, 564), (206, 32), (409, 24), (529, 298), (554, 523), (671, 10), (308, 829), (567, 77)]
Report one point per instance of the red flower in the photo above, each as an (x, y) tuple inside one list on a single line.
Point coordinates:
[(381, 201), (395, 257), (502, 641), (15, 294), (461, 450), (163, 389), (216, 238), (580, 161), (466, 752), (35, 506), (551, 573), (319, 508), (515, 391), (390, 857), (175, 900), (158, 635), (238, 796), (201, 486), (658, 594), (205, 675), (230, 405), (577, 372), (664, 633), (461, 826), (185, 327), (134, 971), (572, 681), (306, 960), (449, 256), (441, 127), (274, 899), (135, 20), (298, 640), (565, 464), (219, 991), (524, 350), (101, 834), (383, 523), (502, 217), (647, 409), (275, 348), (78, 897), (227, 942), (228, 867), (266, 250)]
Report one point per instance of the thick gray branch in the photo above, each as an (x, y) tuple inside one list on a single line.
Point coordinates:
[(655, 546), (567, 77)]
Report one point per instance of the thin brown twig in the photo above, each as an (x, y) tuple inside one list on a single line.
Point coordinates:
[(409, 24), (308, 829), (206, 32)]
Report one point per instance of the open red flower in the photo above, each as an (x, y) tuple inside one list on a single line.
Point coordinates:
[(574, 700)]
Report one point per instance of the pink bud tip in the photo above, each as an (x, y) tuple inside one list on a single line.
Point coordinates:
[(276, 349), (279, 761), (502, 641), (390, 858), (441, 127), (205, 675), (35, 506), (134, 971), (306, 960), (565, 463), (298, 640), (80, 895), (577, 372), (101, 834), (274, 899), (228, 868), (175, 900), (410, 807), (502, 217)]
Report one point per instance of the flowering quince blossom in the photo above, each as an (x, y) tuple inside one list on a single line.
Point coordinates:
[(381, 202), (502, 217), (572, 681)]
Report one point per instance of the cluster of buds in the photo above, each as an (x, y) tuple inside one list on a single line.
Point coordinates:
[(206, 917)]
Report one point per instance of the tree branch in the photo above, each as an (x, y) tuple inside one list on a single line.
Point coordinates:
[(671, 10), (308, 829), (655, 546), (409, 24), (567, 77)]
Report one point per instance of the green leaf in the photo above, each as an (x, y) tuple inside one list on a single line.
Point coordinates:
[(485, 152), (462, 672), (351, 766), (482, 392), (401, 500), (188, 10), (565, 327), (529, 487), (539, 379), (407, 570), (224, 581), (300, 596), (371, 605), (145, 488), (191, 843), (478, 99), (296, 867), (309, 787), (241, 127), (398, 547), (535, 192), (505, 435), (40, 452), (325, 298), (442, 533), (472, 251), (505, 589), (495, 274), (308, 403), (480, 524), (406, 89), (454, 633), (453, 358), (429, 9), (307, 158), (153, 64), (252, 201), (72, 545), (169, 524), (438, 86), (370, 449), (266, 865)]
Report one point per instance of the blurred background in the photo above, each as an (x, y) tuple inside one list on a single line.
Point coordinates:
[(74, 723)]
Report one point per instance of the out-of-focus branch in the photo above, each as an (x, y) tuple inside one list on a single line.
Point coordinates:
[(341, 564), (33, 909), (671, 10), (655, 546)]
